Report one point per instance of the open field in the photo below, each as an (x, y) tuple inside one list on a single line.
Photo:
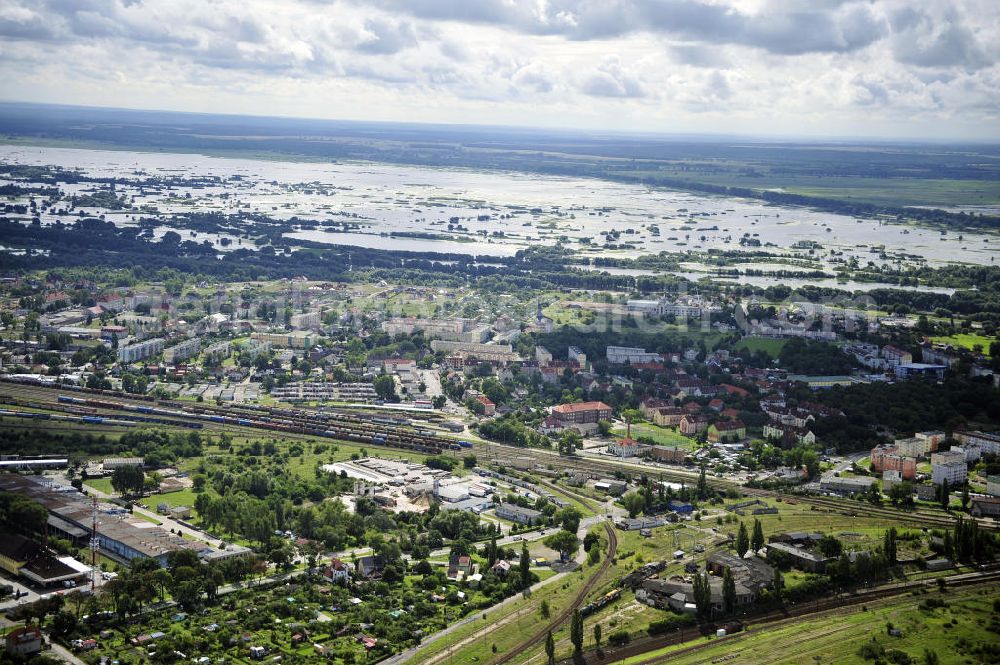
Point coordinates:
[(771, 347), (966, 341), (957, 633), (663, 436)]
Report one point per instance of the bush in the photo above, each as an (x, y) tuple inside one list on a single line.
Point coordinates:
[(871, 650), (670, 624), (618, 638), (898, 657), (931, 604)]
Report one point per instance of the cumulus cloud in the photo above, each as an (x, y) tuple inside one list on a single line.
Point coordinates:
[(655, 64), (611, 79)]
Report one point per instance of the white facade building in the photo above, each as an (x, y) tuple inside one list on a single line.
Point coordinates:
[(136, 352), (950, 466)]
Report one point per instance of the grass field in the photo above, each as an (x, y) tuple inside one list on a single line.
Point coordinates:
[(957, 633), (771, 347), (664, 436), (966, 341)]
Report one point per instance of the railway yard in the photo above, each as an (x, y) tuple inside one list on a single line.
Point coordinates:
[(596, 592)]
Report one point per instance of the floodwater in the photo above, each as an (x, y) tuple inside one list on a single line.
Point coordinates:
[(487, 214)]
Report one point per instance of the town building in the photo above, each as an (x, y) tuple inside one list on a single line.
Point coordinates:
[(727, 430), (788, 433), (306, 321), (993, 485), (515, 513), (920, 370), (985, 506), (295, 339), (140, 351), (619, 355), (692, 424), (181, 352), (489, 408), (896, 356), (322, 391), (888, 458), (669, 455), (24, 641), (337, 571), (576, 354), (988, 442), (582, 415), (920, 444), (798, 556), (846, 485), (668, 416), (950, 466), (451, 329)]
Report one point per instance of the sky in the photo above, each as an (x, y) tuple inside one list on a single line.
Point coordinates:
[(888, 68)]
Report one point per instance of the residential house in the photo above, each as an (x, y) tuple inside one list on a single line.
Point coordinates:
[(337, 571), (24, 641), (460, 567), (691, 425), (668, 416), (729, 430), (370, 566)]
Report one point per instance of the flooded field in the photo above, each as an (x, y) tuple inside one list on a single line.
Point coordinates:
[(475, 213)]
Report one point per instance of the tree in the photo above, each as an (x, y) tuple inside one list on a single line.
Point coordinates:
[(778, 584), (569, 442), (128, 480), (889, 546), (564, 542), (757, 540), (702, 593), (63, 623), (742, 541), (702, 483), (544, 610), (931, 657), (525, 566), (634, 503), (901, 493), (550, 649), (569, 517), (576, 632), (830, 546), (597, 636), (728, 591), (385, 387), (965, 497), (945, 495), (874, 495)]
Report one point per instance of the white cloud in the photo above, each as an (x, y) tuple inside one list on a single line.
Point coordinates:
[(775, 66)]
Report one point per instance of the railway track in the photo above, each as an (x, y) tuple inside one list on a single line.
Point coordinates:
[(387, 431), (792, 613), (539, 636)]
